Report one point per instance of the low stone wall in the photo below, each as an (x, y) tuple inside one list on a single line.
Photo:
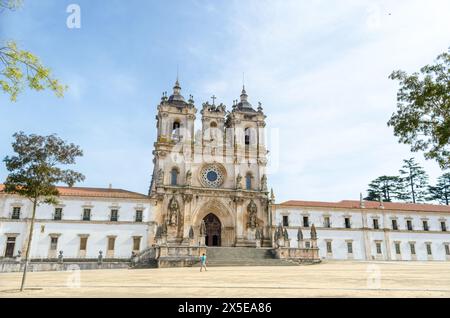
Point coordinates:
[(8, 267), (307, 255)]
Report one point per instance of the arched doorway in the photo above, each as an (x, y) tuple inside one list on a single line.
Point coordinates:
[(213, 230)]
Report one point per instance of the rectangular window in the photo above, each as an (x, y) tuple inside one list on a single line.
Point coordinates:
[(378, 245), (83, 243), (329, 248), (138, 215), (350, 247), (16, 213), (114, 215), (248, 182), (397, 248), (53, 243), (326, 222), (111, 243), (447, 250), (305, 221), (136, 243), (307, 244), (58, 214), (425, 225), (394, 225), (429, 248), (10, 244), (375, 224), (443, 226), (86, 214), (412, 246), (409, 225), (285, 220), (347, 223)]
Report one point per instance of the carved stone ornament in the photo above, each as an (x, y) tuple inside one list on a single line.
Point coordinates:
[(264, 183), (203, 229), (187, 197), (188, 177), (239, 181), (299, 235), (174, 211), (160, 177), (313, 232), (258, 234), (252, 211)]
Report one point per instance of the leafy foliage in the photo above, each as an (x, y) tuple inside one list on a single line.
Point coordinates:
[(36, 167), (19, 67), (441, 191), (388, 187), (414, 182), (422, 119), (10, 4)]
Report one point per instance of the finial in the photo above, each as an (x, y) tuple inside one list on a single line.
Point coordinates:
[(214, 99), (361, 202)]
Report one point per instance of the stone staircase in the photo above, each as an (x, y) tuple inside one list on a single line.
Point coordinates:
[(244, 256)]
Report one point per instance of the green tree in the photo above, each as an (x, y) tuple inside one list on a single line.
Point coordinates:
[(388, 187), (20, 68), (10, 4), (422, 119), (34, 171), (441, 191), (414, 182)]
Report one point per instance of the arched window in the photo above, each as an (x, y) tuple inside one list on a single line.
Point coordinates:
[(248, 181), (176, 130), (213, 130), (247, 136), (176, 125), (174, 177)]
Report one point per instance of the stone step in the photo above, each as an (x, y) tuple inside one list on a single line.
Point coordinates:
[(225, 253)]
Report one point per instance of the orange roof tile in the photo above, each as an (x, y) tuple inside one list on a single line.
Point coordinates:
[(96, 192), (353, 204)]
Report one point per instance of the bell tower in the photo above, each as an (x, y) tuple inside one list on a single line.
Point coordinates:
[(173, 152), (210, 187)]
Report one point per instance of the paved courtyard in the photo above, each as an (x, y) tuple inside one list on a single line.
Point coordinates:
[(329, 279)]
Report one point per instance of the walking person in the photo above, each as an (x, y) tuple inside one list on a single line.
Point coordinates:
[(203, 262)]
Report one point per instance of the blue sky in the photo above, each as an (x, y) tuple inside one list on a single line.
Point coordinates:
[(320, 68)]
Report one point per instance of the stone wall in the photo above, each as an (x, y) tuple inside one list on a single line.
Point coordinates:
[(7, 267)]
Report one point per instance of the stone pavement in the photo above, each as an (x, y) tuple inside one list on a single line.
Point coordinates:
[(328, 279)]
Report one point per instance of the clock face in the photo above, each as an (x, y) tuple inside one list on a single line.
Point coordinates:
[(212, 176)]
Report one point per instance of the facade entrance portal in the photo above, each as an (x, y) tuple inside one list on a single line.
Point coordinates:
[(213, 230)]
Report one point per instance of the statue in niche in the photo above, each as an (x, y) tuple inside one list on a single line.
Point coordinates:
[(160, 177), (203, 229), (264, 183), (188, 177), (174, 211), (252, 211), (258, 234), (238, 181)]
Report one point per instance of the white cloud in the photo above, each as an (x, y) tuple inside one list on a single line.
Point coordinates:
[(321, 68)]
